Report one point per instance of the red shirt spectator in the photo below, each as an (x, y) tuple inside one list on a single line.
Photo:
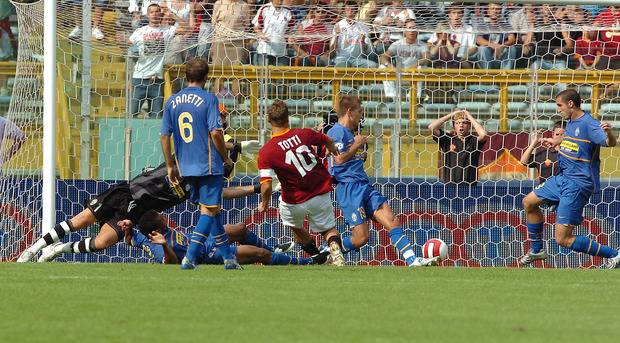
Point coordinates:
[(610, 38), (588, 48)]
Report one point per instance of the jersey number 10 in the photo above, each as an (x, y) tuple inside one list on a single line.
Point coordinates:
[(298, 159)]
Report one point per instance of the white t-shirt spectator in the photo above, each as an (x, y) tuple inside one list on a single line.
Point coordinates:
[(408, 54), (182, 13), (152, 43), (274, 23), (350, 37), (397, 14)]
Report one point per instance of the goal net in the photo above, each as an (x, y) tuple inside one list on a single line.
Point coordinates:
[(411, 64)]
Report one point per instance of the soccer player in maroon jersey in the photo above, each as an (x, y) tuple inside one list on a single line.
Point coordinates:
[(306, 183)]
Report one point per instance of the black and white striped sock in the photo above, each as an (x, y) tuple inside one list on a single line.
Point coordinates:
[(84, 246), (54, 235)]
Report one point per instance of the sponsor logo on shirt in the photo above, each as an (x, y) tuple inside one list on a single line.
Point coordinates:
[(570, 146)]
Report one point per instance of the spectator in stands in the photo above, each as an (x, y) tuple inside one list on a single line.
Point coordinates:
[(588, 50), (8, 130), (545, 161), (390, 19), (203, 10), (271, 24), (368, 12), (298, 9), (99, 6), (459, 150), (151, 42), (495, 49), (549, 49), (442, 53), (610, 37), (179, 13), (138, 8), (6, 9), (522, 21), (461, 33), (406, 52), (312, 43), (351, 41), (230, 18)]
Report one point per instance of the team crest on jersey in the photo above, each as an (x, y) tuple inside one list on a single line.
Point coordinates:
[(354, 217), (132, 205), (577, 132)]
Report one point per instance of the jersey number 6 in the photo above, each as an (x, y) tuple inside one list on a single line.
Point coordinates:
[(185, 127), (299, 161)]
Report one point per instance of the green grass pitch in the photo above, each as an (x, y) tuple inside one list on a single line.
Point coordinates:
[(58, 302)]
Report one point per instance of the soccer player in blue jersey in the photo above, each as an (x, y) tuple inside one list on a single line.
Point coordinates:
[(192, 117), (572, 188), (170, 246), (357, 198)]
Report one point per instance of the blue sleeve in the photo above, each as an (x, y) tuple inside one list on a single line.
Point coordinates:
[(166, 127), (138, 239), (337, 136), (154, 251), (597, 135), (214, 121)]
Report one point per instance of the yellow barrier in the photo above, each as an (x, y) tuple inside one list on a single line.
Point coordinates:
[(503, 78)]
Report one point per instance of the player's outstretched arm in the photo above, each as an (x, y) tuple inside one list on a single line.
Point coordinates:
[(166, 147), (611, 138), (169, 256), (239, 192), (265, 192), (525, 158)]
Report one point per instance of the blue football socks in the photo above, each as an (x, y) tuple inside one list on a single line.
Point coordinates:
[(252, 239), (590, 247), (534, 234), (198, 238), (402, 244)]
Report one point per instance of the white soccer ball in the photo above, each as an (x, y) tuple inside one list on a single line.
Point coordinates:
[(435, 247)]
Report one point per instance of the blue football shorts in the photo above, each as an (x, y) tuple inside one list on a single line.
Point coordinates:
[(569, 196), (358, 201), (205, 190)]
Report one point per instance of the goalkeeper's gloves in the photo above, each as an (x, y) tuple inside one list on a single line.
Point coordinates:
[(250, 148)]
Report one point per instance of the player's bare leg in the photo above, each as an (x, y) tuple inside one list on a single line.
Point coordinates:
[(60, 230), (106, 238), (565, 238), (239, 233), (359, 235), (302, 236), (236, 232), (385, 216), (564, 235), (535, 221)]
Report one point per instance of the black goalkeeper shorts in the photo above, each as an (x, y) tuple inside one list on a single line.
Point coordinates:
[(111, 206)]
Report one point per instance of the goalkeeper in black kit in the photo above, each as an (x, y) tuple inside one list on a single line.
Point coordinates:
[(113, 207)]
